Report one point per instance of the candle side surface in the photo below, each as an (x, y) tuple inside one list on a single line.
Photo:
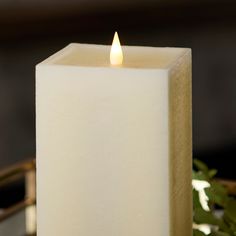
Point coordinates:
[(114, 144), (102, 153), (180, 110)]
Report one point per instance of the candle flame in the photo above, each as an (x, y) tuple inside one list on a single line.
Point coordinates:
[(116, 54)]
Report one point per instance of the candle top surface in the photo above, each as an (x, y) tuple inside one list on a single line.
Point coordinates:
[(91, 55)]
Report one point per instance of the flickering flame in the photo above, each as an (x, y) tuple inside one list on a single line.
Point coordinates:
[(116, 55)]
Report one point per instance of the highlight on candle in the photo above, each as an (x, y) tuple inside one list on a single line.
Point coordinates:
[(116, 54)]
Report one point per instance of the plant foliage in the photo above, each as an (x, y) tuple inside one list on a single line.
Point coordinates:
[(224, 225)]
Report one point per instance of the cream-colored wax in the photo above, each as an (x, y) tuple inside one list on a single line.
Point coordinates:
[(114, 143)]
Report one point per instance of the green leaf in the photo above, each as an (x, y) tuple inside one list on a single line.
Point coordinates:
[(219, 234), (225, 225), (206, 217), (196, 200), (212, 173), (230, 210), (200, 166), (197, 232), (230, 224), (217, 194), (219, 188), (198, 175)]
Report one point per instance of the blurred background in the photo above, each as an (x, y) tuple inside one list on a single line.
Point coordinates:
[(30, 31)]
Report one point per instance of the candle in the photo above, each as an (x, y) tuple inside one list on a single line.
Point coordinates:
[(114, 141)]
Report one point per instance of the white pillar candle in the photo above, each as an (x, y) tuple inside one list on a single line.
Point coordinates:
[(114, 142)]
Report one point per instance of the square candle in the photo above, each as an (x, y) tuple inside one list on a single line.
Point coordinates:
[(114, 144)]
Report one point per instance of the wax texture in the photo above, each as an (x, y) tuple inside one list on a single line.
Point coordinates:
[(114, 144)]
